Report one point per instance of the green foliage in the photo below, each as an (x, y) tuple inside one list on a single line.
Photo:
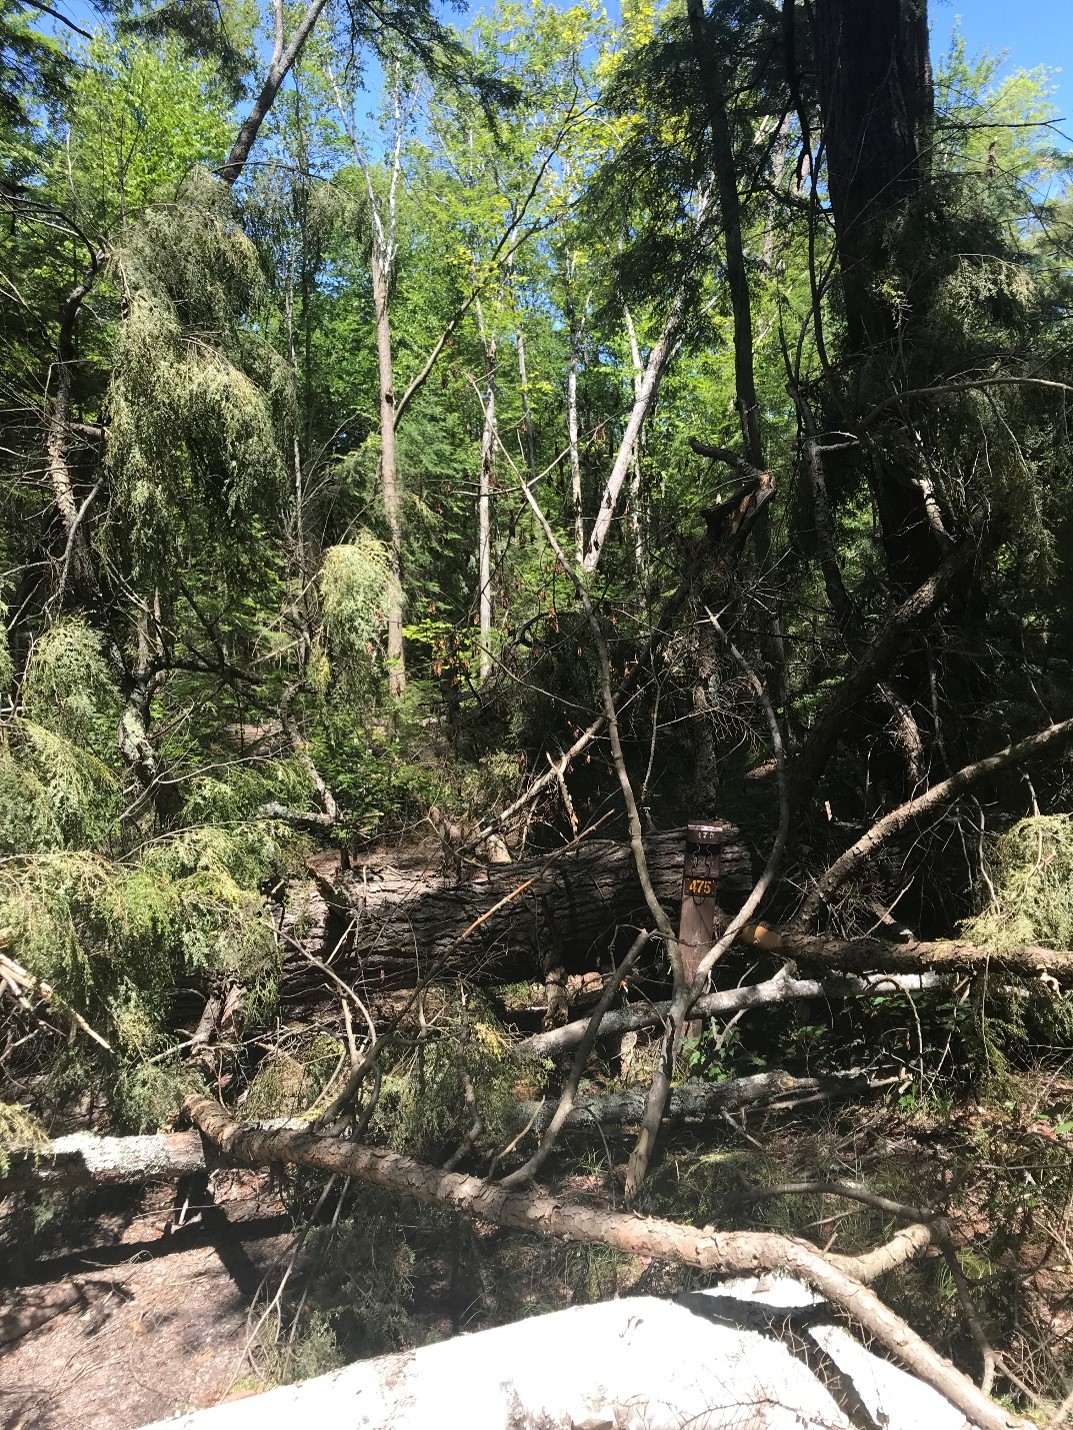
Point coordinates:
[(68, 686), (20, 1131), (114, 939), (54, 793), (356, 585), (145, 1097), (1031, 870), (422, 1108), (142, 115), (197, 406)]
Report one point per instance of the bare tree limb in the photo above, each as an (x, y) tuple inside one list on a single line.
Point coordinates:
[(727, 1002), (529, 1170), (714, 1252), (278, 69), (1045, 741), (646, 392), (870, 667)]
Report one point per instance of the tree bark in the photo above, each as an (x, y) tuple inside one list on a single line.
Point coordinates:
[(83, 1160), (865, 954), (657, 361), (709, 1251), (872, 65), (278, 70), (695, 1101), (573, 905)]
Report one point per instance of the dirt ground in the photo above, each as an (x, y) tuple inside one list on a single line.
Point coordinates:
[(146, 1317)]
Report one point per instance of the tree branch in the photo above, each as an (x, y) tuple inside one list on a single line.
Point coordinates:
[(712, 1252), (1050, 739)]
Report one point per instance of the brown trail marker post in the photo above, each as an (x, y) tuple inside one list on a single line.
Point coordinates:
[(700, 880)]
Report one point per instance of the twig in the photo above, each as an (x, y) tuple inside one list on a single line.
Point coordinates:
[(44, 992)]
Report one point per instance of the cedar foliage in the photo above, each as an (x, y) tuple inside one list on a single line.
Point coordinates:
[(197, 559)]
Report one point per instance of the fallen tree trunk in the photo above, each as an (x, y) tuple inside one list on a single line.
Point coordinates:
[(713, 1252), (406, 914), (696, 1101), (861, 954), (779, 989), (83, 1160)]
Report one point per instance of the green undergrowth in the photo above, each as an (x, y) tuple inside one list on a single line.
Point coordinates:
[(20, 1131), (422, 1109), (115, 896), (1031, 872)]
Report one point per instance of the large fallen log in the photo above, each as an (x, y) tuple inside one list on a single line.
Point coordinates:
[(839, 1280), (727, 1002), (714, 1360), (84, 1160), (408, 914)]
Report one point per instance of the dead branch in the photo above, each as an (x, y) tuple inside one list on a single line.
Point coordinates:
[(24, 982), (696, 1101), (567, 1098), (1045, 741), (864, 954), (713, 1252), (852, 1191), (870, 667), (780, 989)]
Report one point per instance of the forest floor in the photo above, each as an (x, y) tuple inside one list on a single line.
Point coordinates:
[(122, 1309), (143, 1318), (137, 1303)]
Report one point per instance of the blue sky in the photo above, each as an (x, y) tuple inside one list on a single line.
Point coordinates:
[(1032, 32)]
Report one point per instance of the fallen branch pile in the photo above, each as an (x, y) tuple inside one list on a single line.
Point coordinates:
[(840, 1280)]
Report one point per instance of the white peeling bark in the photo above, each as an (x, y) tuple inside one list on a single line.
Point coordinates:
[(657, 361)]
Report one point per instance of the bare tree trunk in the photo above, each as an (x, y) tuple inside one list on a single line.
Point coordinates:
[(726, 182), (484, 499), (875, 86), (657, 361), (282, 60), (523, 376), (573, 439), (389, 474), (636, 524)]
